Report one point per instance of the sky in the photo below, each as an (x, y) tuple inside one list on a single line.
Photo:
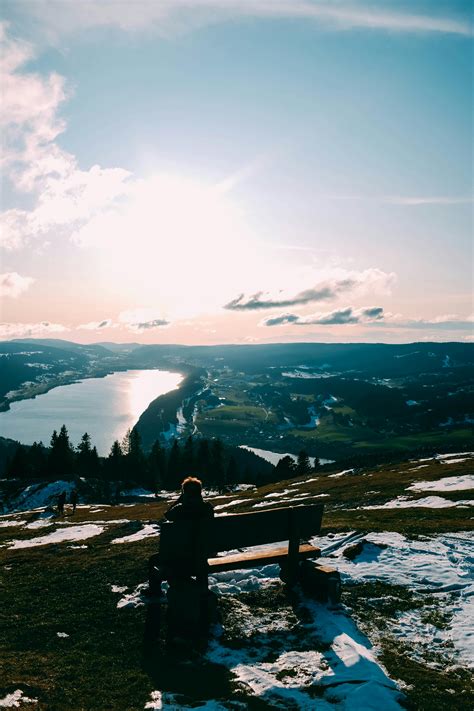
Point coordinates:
[(236, 171)]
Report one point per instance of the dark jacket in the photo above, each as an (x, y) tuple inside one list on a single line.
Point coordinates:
[(194, 510)]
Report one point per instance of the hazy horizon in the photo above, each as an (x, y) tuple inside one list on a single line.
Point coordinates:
[(207, 172)]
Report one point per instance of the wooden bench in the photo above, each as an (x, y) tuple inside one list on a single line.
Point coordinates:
[(192, 548)]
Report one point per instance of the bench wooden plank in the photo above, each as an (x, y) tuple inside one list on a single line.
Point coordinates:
[(252, 560), (244, 530)]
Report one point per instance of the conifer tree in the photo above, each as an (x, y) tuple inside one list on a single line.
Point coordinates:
[(203, 461), (114, 463), (156, 467), (303, 464), (285, 468), (61, 456), (218, 472), (173, 473), (188, 463)]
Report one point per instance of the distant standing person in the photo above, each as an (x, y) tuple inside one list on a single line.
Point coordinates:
[(61, 502), (73, 500)]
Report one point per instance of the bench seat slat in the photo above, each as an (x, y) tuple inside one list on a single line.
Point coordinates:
[(255, 559)]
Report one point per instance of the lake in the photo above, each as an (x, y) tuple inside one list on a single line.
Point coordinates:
[(103, 407)]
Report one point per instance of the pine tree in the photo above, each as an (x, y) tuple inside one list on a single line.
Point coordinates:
[(232, 472), (115, 462), (37, 460), (188, 464), (173, 473), (303, 464), (218, 472), (84, 452), (156, 467), (17, 467), (203, 461), (285, 469), (61, 460), (135, 463)]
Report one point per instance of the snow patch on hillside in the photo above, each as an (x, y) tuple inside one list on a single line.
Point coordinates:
[(149, 530), (74, 533), (440, 566), (463, 482)]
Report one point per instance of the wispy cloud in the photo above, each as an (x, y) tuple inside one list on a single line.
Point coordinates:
[(448, 322), (32, 159), (96, 325), (339, 317), (14, 285), (179, 16), (25, 330), (142, 319), (373, 280), (407, 200)]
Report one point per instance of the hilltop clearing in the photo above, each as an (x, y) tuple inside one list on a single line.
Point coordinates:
[(75, 617)]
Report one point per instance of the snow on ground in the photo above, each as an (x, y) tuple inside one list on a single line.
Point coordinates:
[(344, 471), (166, 701), (430, 502), (74, 533), (15, 700), (38, 496), (148, 530), (284, 654), (231, 503), (8, 523), (440, 567), (463, 482)]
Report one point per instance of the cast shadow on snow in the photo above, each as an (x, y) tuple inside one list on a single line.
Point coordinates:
[(319, 658)]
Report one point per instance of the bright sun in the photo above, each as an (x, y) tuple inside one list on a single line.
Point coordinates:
[(174, 243)]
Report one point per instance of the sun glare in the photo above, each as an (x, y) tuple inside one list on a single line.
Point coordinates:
[(176, 243)]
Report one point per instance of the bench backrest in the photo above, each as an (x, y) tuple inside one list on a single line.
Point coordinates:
[(223, 533)]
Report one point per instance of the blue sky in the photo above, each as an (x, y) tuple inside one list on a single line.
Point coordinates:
[(245, 148)]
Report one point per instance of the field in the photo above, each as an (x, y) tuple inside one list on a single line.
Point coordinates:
[(75, 629)]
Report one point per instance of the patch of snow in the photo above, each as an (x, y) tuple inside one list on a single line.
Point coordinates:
[(133, 599), (139, 493), (430, 502), (118, 588), (439, 565), (9, 524), (344, 471), (277, 493), (345, 670), (74, 533), (149, 530), (15, 700), (231, 503), (462, 482), (62, 634), (39, 495), (77, 547)]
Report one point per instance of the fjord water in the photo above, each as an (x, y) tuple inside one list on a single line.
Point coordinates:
[(103, 407)]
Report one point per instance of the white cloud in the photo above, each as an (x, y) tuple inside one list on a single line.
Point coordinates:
[(96, 325), (342, 281), (405, 200), (26, 330), (13, 284), (142, 319), (338, 317), (32, 160), (177, 16)]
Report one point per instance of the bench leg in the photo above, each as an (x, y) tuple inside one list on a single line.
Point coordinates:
[(322, 582)]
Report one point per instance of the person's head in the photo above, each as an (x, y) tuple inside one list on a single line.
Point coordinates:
[(191, 488)]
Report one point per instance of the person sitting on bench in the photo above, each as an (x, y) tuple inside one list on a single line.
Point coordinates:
[(190, 506)]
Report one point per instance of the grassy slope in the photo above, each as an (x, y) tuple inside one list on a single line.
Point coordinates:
[(106, 663)]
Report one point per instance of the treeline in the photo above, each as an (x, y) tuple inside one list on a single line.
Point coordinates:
[(216, 464)]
